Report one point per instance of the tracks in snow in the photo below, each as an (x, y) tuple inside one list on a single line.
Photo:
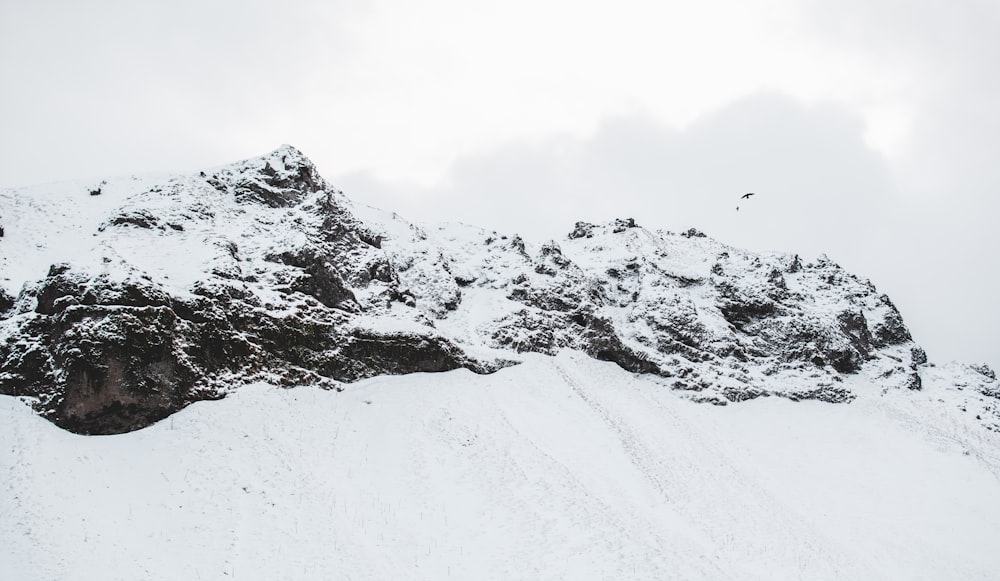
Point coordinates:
[(695, 481)]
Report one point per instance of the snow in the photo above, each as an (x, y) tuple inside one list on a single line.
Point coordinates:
[(559, 468)]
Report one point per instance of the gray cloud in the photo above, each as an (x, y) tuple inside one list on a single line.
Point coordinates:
[(809, 166), (948, 51)]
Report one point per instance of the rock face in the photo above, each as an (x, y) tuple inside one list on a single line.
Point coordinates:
[(189, 287), (109, 344), (720, 324)]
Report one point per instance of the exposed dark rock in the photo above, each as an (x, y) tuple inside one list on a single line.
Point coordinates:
[(892, 330), (827, 393), (99, 369), (63, 288), (845, 360), (985, 371), (545, 299), (517, 243), (123, 370), (551, 253), (137, 218), (370, 238), (249, 191), (777, 280), (379, 269), (743, 394), (6, 301), (854, 326), (742, 308), (598, 338), (318, 278), (366, 353), (528, 331), (324, 283), (622, 224), (795, 265), (582, 230), (278, 184), (59, 283), (693, 233)]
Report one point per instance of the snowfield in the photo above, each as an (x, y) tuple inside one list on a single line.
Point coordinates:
[(559, 468)]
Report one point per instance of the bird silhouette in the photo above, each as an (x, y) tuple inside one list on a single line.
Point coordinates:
[(746, 196)]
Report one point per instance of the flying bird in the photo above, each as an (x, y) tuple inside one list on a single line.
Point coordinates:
[(746, 196)]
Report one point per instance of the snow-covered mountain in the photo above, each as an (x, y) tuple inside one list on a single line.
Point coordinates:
[(621, 403), (124, 301)]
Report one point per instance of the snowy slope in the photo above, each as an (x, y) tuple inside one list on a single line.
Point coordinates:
[(559, 468)]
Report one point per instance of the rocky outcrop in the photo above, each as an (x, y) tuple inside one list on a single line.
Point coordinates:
[(262, 271), (727, 325), (108, 348), (6, 301), (102, 358), (282, 181)]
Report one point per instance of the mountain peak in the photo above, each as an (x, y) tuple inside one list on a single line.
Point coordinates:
[(280, 178), (289, 158)]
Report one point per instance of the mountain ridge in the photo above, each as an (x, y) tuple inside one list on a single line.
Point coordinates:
[(261, 270)]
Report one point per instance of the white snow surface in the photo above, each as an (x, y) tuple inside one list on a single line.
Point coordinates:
[(560, 468)]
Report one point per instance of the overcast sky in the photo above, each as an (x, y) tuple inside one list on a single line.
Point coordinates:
[(869, 129)]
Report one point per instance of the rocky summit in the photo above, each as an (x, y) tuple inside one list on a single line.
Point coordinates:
[(126, 300)]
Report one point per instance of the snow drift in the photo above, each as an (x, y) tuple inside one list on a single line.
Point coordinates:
[(558, 468)]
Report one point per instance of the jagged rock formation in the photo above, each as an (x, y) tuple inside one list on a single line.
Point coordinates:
[(262, 271), (104, 346), (722, 324)]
